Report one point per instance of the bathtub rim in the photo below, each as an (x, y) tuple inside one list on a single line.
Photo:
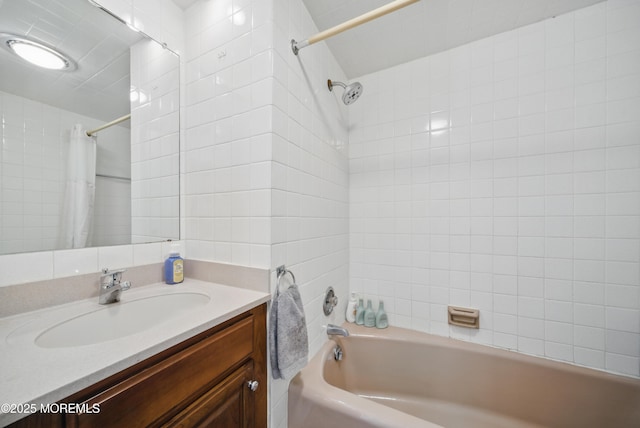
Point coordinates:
[(399, 334)]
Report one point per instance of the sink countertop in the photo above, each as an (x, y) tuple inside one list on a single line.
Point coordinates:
[(33, 375)]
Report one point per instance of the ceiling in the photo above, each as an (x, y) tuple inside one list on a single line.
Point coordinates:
[(97, 42), (423, 28)]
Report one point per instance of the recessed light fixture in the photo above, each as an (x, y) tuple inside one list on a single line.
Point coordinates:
[(36, 53)]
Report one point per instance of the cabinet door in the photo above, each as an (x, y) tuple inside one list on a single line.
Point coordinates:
[(230, 404)]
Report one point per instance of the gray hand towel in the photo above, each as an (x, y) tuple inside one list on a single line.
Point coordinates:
[(288, 342)]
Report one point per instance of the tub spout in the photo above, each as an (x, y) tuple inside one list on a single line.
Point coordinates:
[(336, 330)]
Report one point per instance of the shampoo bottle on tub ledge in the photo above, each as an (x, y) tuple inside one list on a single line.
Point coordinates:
[(382, 321), (352, 308), (369, 316), (360, 313)]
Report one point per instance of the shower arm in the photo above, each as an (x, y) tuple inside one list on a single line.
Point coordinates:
[(366, 17), (332, 83)]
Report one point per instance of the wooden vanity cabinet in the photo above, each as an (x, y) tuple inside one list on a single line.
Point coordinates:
[(206, 381)]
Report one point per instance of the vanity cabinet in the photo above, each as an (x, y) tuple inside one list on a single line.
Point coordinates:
[(215, 379)]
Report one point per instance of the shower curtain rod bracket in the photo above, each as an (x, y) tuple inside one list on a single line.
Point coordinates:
[(295, 46)]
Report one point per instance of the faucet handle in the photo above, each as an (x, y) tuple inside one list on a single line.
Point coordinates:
[(109, 278), (106, 271), (125, 285)]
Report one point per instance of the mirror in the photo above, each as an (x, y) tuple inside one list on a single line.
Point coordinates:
[(60, 188)]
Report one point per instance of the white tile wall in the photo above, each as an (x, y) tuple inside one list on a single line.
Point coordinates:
[(504, 175), (112, 212), (155, 143), (75, 262), (26, 267), (229, 115), (34, 155), (112, 209), (266, 175), (32, 159)]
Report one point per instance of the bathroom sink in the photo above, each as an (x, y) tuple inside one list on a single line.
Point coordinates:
[(118, 320)]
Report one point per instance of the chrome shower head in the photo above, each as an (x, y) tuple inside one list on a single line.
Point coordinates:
[(351, 92)]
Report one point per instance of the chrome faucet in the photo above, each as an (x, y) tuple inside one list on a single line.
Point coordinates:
[(112, 286), (334, 330)]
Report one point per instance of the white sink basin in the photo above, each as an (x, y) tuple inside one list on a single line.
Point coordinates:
[(117, 320)]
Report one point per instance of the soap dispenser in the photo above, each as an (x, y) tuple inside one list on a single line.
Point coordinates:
[(360, 313), (369, 316), (382, 320)]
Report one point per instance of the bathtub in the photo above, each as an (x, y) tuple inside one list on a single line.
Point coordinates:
[(402, 378)]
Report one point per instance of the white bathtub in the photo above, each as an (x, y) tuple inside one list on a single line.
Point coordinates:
[(401, 378)]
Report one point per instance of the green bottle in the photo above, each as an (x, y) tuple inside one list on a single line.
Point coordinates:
[(382, 320), (369, 316), (360, 313)]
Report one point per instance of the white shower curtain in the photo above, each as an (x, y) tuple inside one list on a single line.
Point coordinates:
[(77, 209)]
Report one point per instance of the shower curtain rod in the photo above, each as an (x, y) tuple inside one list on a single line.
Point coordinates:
[(107, 125), (366, 17), (113, 176)]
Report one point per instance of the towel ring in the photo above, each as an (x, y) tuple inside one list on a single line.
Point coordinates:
[(282, 271)]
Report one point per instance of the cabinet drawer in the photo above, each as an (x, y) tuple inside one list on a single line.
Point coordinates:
[(164, 389)]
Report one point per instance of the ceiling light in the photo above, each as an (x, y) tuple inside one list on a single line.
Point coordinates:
[(36, 53)]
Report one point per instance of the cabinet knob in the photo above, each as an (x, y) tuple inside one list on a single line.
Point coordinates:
[(253, 385)]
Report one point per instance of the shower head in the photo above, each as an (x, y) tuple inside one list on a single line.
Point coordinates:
[(351, 92)]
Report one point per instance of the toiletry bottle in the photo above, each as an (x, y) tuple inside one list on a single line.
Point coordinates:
[(369, 316), (360, 313), (352, 307), (174, 267), (382, 320)]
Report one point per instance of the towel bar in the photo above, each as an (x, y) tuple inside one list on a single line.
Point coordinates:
[(280, 272)]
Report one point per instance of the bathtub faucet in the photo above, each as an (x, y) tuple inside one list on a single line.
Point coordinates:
[(336, 330)]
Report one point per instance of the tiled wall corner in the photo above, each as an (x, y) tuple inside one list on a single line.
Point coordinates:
[(309, 224)]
